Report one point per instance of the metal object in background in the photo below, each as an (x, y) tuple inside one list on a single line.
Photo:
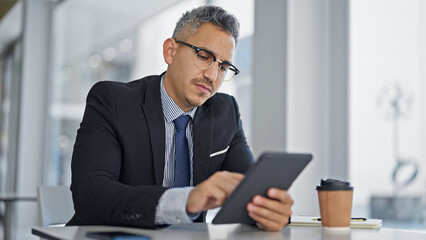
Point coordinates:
[(397, 103)]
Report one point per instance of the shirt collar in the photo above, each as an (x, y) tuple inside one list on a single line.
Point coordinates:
[(171, 110)]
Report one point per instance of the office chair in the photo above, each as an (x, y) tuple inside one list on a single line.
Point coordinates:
[(55, 205)]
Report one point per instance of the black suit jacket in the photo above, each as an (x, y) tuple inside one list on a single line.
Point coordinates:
[(118, 159)]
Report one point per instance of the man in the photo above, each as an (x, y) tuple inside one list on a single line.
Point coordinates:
[(134, 165)]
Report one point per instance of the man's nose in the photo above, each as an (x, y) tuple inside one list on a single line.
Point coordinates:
[(212, 72)]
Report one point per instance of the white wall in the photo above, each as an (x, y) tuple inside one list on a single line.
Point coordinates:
[(307, 100), (300, 84), (387, 47), (269, 76), (34, 84)]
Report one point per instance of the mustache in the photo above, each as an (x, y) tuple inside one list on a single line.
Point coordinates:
[(205, 82)]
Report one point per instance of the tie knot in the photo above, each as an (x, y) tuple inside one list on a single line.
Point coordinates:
[(181, 122)]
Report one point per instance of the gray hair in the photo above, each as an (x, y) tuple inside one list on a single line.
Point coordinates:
[(192, 20)]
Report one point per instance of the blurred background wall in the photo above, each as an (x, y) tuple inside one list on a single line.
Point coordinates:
[(344, 80)]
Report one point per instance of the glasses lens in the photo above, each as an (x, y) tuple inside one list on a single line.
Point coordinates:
[(203, 59), (229, 75)]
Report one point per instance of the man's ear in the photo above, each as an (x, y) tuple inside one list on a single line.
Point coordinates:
[(169, 50)]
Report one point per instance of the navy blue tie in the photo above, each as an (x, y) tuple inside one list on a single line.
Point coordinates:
[(182, 172)]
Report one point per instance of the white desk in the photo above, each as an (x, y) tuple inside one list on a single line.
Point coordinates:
[(209, 231)]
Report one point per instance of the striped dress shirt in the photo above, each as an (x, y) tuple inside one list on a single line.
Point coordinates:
[(171, 208)]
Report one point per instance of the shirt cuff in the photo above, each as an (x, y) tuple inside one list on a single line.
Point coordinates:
[(171, 207)]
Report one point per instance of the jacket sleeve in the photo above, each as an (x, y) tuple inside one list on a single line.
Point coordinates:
[(99, 197), (239, 157)]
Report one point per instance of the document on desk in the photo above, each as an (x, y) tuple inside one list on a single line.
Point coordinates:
[(311, 221)]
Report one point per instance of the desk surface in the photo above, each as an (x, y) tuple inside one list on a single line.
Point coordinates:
[(230, 231)]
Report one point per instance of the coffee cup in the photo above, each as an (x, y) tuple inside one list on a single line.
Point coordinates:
[(335, 199)]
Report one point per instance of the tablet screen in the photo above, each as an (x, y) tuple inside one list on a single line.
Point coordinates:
[(272, 169)]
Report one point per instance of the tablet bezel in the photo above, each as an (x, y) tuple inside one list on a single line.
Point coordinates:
[(273, 169)]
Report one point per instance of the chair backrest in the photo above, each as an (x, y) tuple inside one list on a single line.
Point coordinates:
[(55, 205)]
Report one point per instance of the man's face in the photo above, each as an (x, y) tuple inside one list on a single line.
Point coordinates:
[(188, 85)]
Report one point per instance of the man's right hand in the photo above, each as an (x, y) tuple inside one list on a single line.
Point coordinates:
[(212, 192)]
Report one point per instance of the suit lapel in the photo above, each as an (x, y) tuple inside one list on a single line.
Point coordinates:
[(202, 139), (154, 116)]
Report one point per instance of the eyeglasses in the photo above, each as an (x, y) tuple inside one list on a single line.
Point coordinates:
[(204, 59)]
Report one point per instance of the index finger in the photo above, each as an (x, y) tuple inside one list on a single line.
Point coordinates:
[(227, 181), (225, 175), (237, 176)]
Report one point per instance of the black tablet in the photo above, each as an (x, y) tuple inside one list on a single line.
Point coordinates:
[(277, 170)]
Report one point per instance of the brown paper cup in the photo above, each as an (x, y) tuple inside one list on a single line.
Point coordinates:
[(335, 208)]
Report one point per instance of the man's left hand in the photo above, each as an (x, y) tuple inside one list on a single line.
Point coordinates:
[(273, 213)]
